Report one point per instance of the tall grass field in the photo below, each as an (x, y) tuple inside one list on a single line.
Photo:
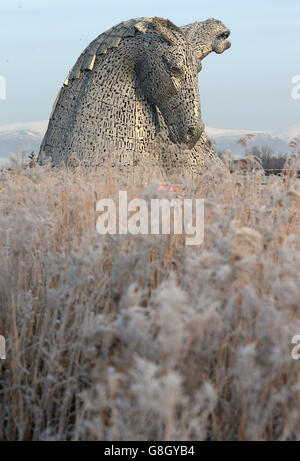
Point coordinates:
[(122, 337)]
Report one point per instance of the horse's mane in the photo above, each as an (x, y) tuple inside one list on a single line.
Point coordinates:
[(112, 38)]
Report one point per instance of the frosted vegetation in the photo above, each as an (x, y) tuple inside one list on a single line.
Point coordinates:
[(144, 338)]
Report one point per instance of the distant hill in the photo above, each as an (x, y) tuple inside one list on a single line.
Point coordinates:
[(278, 141), (27, 137), (21, 137)]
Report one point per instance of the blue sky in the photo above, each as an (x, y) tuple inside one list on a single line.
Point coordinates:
[(248, 86)]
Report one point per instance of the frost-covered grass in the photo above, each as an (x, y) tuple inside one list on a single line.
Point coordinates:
[(144, 338)]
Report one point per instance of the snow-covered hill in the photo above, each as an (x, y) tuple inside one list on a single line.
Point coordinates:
[(20, 137), (278, 140), (27, 137)]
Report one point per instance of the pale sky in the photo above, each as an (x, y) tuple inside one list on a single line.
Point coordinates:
[(249, 86)]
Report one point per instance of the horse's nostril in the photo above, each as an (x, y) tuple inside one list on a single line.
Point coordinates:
[(193, 133)]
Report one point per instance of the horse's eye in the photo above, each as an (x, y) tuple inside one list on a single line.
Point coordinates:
[(176, 71)]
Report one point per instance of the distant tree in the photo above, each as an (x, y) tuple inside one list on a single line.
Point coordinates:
[(272, 163)]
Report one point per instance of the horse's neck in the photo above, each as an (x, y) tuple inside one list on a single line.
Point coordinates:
[(146, 121), (127, 107)]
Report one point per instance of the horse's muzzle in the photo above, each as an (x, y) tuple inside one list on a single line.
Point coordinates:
[(193, 134)]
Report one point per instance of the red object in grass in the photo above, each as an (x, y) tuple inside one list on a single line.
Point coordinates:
[(171, 188)]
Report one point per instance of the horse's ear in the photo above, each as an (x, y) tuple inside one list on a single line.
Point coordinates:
[(164, 27), (141, 27), (167, 30)]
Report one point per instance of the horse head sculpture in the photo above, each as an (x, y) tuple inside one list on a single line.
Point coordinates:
[(134, 81)]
